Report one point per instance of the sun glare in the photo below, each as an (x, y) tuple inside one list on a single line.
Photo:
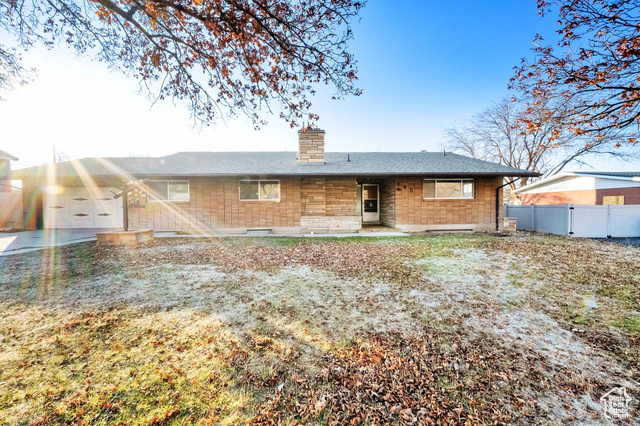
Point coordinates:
[(5, 242)]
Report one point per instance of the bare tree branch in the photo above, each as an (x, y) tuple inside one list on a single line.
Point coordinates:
[(530, 137), (221, 58), (594, 67)]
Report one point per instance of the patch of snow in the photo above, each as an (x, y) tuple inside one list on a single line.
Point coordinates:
[(491, 294), (590, 303)]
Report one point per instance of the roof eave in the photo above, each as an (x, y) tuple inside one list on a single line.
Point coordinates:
[(573, 174), (18, 175), (544, 181)]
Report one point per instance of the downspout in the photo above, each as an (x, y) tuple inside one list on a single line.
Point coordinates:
[(498, 202)]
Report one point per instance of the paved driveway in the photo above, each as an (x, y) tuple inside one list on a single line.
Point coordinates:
[(21, 242)]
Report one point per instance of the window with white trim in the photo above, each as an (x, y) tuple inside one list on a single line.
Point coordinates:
[(448, 189), (168, 190), (259, 190)]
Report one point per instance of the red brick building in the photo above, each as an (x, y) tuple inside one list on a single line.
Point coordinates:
[(282, 192), (587, 188)]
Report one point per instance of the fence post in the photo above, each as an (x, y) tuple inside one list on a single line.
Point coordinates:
[(570, 218), (533, 217), (608, 220)]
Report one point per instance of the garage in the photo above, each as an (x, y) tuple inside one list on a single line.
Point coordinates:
[(80, 207)]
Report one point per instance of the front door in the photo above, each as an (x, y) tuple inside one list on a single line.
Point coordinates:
[(370, 203)]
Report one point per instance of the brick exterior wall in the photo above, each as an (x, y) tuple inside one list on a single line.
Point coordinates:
[(311, 146), (324, 224), (415, 213), (631, 195), (587, 197), (11, 211), (329, 205), (318, 204), (340, 197), (312, 195), (215, 205), (5, 175), (584, 197), (388, 202), (328, 197)]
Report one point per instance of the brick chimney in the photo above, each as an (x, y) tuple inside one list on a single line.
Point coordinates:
[(311, 146)]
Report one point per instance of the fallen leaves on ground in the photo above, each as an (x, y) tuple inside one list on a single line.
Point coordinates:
[(435, 378)]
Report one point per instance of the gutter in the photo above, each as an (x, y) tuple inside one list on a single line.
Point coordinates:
[(291, 175)]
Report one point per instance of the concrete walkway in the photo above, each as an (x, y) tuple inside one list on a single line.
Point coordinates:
[(26, 241), (22, 242)]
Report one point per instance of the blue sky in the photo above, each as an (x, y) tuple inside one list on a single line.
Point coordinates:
[(423, 66)]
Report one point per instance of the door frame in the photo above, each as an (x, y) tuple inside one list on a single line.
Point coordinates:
[(377, 220)]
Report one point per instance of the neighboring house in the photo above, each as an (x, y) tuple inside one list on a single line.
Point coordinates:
[(587, 188), (10, 198), (5, 171), (286, 192)]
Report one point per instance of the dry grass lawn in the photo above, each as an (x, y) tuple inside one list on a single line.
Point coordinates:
[(456, 329)]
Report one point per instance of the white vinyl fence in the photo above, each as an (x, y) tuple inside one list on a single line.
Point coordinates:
[(578, 221)]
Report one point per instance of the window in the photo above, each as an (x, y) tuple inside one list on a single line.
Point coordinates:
[(259, 190), (447, 188), (168, 190)]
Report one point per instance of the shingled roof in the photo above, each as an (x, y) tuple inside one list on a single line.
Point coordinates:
[(4, 155), (282, 164)]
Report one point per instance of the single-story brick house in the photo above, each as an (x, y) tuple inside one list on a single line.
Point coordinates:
[(586, 188), (285, 192)]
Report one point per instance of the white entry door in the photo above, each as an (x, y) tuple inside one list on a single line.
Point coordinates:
[(79, 207), (370, 203)]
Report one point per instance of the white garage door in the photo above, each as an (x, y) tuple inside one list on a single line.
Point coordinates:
[(82, 208)]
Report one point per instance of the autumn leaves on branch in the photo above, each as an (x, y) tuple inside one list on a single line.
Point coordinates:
[(222, 57), (226, 58), (594, 69)]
